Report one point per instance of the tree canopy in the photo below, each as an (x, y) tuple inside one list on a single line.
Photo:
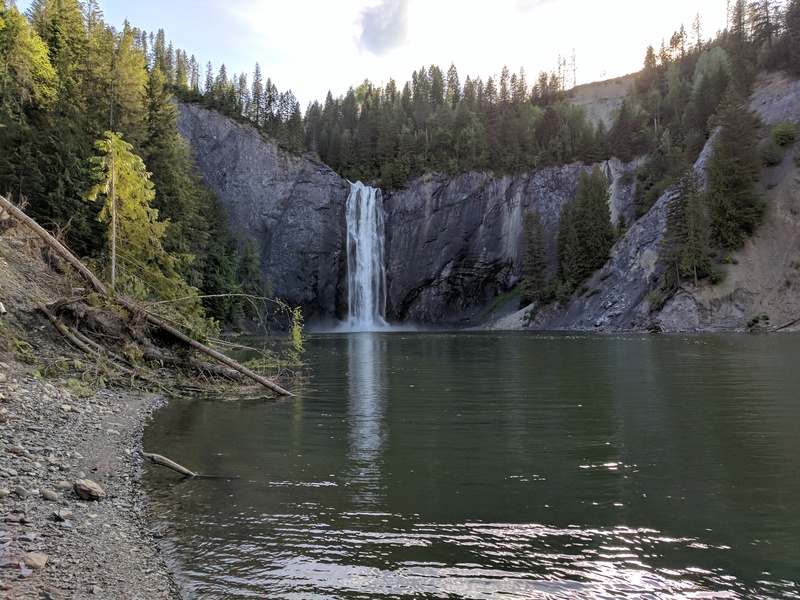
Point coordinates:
[(72, 86)]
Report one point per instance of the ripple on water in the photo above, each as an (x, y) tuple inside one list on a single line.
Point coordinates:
[(470, 560)]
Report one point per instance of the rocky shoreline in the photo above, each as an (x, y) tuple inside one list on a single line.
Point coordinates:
[(53, 544)]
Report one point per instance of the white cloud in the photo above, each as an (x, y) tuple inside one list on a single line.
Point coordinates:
[(384, 27)]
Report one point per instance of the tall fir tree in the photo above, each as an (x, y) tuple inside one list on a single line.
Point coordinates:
[(684, 248), (734, 167), (534, 260)]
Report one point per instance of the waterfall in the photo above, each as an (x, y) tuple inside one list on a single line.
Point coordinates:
[(366, 271)]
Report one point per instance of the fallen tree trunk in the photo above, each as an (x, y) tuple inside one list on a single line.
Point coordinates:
[(787, 325), (165, 462), (85, 345), (153, 319), (53, 243), (64, 253)]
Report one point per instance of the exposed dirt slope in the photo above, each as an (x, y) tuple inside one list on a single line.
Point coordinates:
[(762, 285), (55, 429), (602, 98)]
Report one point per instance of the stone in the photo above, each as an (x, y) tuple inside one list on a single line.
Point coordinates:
[(3, 378), (86, 489), (63, 485), (62, 515), (50, 495), (21, 492), (35, 560), (4, 493)]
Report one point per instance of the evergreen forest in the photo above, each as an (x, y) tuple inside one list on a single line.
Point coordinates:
[(77, 93)]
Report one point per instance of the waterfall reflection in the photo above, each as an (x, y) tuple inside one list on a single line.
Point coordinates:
[(366, 416)]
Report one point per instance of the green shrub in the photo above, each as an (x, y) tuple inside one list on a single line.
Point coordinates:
[(730, 259), (716, 274), (654, 300), (783, 135), (771, 153)]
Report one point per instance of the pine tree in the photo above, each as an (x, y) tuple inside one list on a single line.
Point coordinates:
[(733, 169), (134, 231), (593, 221), (568, 249), (534, 261), (257, 97), (684, 248), (793, 34)]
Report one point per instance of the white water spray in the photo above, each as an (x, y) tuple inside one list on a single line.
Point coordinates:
[(366, 271)]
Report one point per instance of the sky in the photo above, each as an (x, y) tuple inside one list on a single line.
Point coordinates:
[(315, 46)]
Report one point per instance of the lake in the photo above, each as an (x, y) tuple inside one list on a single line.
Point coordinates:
[(484, 465)]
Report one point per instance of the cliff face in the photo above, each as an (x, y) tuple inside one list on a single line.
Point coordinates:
[(291, 207), (453, 245), (761, 279)]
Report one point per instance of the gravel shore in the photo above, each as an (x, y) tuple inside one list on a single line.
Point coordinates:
[(53, 544)]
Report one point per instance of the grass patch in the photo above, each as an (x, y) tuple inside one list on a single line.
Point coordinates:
[(499, 302)]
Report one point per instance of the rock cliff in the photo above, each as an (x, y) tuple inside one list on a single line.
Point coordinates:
[(455, 244), (452, 245), (291, 207)]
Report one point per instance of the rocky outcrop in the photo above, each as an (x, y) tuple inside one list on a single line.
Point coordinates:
[(291, 207), (453, 245)]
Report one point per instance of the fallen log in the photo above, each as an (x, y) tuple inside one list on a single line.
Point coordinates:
[(153, 319), (84, 345), (787, 325), (53, 243), (165, 462), (70, 258)]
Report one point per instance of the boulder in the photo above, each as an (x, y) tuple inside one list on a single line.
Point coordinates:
[(86, 489)]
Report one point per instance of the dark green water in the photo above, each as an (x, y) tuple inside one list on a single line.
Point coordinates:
[(456, 465)]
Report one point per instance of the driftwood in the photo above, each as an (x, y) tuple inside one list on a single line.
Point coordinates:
[(787, 325), (165, 462), (64, 253), (154, 320)]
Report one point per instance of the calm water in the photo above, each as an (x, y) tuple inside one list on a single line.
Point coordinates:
[(458, 465)]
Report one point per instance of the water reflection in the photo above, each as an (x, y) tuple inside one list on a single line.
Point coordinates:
[(366, 417), (478, 466)]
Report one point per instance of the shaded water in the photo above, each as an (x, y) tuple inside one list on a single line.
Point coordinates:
[(458, 465)]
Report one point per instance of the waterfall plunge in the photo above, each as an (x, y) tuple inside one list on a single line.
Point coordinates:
[(366, 271)]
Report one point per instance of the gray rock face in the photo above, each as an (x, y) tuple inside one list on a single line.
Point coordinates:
[(455, 244), (291, 207), (452, 245)]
